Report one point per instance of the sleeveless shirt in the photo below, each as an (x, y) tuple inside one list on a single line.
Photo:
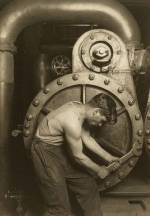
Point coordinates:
[(50, 130)]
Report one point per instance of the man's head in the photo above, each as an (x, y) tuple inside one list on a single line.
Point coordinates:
[(102, 108)]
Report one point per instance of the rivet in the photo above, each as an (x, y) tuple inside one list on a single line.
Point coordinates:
[(148, 116), (46, 90), (27, 125), (91, 76), (82, 51), (29, 117), (131, 163), (120, 89), (121, 174), (106, 81), (107, 184), (26, 133), (109, 37), (148, 141), (59, 81), (137, 117), (92, 37), (140, 132), (75, 76), (131, 102), (147, 132), (36, 102), (118, 52)]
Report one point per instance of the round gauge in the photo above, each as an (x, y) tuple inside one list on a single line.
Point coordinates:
[(61, 65)]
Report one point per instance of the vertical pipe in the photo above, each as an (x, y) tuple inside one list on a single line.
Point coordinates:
[(6, 100)]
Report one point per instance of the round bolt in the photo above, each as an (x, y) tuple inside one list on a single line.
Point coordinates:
[(46, 90), (148, 141), (36, 102), (109, 37), (59, 81), (120, 89), (131, 163), (148, 116), (106, 81), (131, 102), (147, 132), (75, 76), (91, 76), (118, 52), (82, 51), (140, 132), (92, 37), (29, 117), (26, 133), (137, 117)]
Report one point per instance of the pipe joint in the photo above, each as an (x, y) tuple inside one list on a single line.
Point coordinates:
[(6, 47)]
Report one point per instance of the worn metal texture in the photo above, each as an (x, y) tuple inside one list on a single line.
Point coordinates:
[(81, 79)]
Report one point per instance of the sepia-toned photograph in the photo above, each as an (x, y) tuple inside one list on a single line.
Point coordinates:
[(74, 108)]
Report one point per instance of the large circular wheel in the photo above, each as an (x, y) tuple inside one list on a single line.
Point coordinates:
[(124, 139)]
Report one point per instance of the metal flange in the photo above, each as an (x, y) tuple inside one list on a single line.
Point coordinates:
[(111, 87)]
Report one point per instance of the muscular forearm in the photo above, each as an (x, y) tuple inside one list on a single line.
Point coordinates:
[(97, 149), (85, 161)]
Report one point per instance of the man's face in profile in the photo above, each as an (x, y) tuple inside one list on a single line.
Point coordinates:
[(95, 117)]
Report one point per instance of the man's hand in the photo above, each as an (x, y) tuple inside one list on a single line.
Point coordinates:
[(115, 165), (103, 172)]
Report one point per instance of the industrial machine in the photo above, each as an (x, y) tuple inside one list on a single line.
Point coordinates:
[(52, 52)]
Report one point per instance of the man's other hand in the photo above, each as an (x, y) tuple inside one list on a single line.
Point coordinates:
[(103, 172)]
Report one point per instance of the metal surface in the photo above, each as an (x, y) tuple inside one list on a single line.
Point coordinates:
[(68, 81), (19, 14)]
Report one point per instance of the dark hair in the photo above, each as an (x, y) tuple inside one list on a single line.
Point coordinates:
[(107, 106)]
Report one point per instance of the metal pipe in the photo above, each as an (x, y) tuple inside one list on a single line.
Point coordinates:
[(110, 14), (19, 14)]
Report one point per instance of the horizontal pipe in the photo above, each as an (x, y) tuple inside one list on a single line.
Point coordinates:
[(109, 14)]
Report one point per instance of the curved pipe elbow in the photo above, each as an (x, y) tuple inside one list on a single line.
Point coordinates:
[(109, 14)]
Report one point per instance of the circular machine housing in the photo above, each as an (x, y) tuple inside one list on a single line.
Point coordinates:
[(124, 139)]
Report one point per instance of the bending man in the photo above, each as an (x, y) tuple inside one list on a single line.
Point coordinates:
[(59, 159)]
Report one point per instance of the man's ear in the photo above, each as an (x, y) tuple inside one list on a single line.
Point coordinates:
[(96, 112)]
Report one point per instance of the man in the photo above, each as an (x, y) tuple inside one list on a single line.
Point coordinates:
[(59, 159)]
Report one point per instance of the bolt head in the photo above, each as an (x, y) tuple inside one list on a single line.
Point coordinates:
[(91, 76), (131, 102), (106, 81), (46, 90), (140, 132), (75, 76), (92, 36), (121, 89), (36, 102), (29, 117), (148, 116), (59, 81), (26, 133), (147, 132), (137, 117)]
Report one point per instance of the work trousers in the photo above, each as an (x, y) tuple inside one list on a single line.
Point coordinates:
[(57, 173)]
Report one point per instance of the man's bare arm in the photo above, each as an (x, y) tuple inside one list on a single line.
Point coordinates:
[(91, 144), (73, 136)]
